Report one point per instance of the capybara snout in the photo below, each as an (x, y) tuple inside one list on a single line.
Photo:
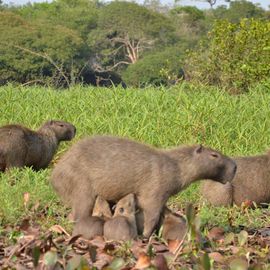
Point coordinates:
[(221, 168)]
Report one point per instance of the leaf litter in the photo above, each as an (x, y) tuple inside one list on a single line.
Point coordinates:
[(30, 246)]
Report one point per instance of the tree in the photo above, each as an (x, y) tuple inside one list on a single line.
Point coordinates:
[(79, 15), (238, 10), (30, 53), (125, 31)]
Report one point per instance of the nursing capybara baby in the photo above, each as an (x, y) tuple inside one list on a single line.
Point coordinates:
[(251, 182), (122, 227), (92, 226), (21, 146), (113, 167)]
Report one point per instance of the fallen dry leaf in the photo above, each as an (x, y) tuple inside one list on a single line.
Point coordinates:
[(143, 261)]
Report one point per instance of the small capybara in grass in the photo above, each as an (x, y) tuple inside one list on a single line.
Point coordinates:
[(92, 226), (251, 183), (174, 226), (113, 167), (20, 146), (122, 227)]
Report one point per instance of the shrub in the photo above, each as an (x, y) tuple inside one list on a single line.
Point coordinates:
[(234, 56), (157, 68)]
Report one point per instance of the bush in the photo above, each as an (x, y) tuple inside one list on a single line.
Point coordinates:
[(158, 68), (234, 56)]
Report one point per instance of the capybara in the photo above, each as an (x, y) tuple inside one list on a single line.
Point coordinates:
[(102, 209), (250, 183), (122, 227), (92, 226), (174, 226), (20, 146), (89, 227), (113, 167)]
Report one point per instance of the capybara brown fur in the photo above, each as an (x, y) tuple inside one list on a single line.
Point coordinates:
[(92, 226), (21, 146), (102, 209), (251, 183), (174, 226), (122, 227), (89, 227), (113, 167)]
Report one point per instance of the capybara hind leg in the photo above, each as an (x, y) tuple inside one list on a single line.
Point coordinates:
[(83, 206)]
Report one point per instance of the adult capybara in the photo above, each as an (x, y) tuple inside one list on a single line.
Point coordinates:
[(92, 226), (251, 182), (113, 167), (122, 227), (21, 146)]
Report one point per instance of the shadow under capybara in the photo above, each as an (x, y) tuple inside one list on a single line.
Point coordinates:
[(113, 167), (21, 146), (122, 227), (250, 183), (92, 226)]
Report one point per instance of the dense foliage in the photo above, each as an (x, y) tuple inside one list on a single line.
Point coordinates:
[(235, 56), (78, 41)]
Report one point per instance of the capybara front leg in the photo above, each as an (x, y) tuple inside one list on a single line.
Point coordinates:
[(83, 207), (151, 212)]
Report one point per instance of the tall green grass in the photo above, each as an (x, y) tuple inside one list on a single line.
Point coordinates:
[(236, 125)]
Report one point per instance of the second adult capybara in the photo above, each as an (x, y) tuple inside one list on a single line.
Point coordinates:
[(250, 183), (122, 227), (21, 146), (113, 167), (92, 226)]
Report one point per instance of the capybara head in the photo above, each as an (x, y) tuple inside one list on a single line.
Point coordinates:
[(102, 209), (216, 166), (64, 131), (126, 206)]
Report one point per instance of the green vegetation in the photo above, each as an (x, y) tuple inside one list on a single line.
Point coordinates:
[(236, 125), (66, 42), (234, 56)]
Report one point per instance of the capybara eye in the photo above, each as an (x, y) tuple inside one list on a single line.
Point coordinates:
[(214, 155), (121, 210), (61, 125)]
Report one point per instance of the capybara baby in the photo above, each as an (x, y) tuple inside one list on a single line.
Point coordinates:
[(174, 226), (92, 226), (20, 146), (122, 227), (251, 182), (102, 209), (113, 167)]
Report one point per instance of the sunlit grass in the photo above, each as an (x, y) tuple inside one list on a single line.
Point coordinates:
[(236, 125)]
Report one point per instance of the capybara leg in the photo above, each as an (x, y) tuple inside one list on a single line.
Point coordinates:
[(2, 163), (83, 206), (151, 217)]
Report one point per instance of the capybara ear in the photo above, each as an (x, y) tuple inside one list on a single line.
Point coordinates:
[(198, 149)]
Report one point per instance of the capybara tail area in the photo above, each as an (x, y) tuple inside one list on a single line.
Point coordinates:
[(216, 193), (3, 163)]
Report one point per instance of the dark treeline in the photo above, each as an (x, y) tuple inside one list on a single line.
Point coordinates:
[(66, 42)]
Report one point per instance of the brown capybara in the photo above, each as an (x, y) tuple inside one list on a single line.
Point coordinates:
[(102, 209), (113, 167), (20, 146), (122, 227), (92, 226), (250, 183), (174, 226), (89, 227)]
